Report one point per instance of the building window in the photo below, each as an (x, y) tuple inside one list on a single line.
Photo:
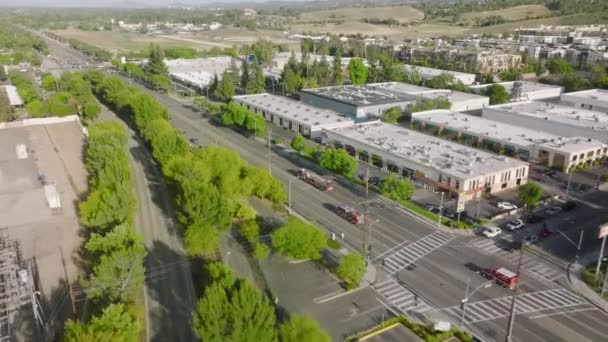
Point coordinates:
[(457, 184), (574, 157)]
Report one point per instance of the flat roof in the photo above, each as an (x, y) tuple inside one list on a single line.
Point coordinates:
[(429, 93), (432, 72), (442, 155), (361, 96), (13, 96), (526, 86), (592, 94), (506, 133), (559, 113), (294, 110), (199, 71)]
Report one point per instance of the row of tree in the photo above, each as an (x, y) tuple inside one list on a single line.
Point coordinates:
[(154, 73), (239, 116), (22, 45), (114, 250)]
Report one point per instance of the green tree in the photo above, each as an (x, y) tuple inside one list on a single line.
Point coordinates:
[(108, 206), (298, 143), (225, 88), (338, 161), (299, 240), (156, 64), (120, 237), (396, 189), (91, 110), (244, 75), (357, 71), (529, 194), (257, 82), (201, 239), (6, 110), (291, 81), (3, 75), (263, 51), (301, 328), (49, 82), (234, 311), (559, 66), (116, 323), (337, 73), (393, 115), (497, 94), (351, 269)]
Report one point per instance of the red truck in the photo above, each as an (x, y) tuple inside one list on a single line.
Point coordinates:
[(314, 180), (350, 214), (502, 276)]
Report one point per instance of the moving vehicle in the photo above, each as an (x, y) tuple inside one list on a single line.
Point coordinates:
[(515, 225), (530, 239), (553, 211), (491, 232), (506, 206), (350, 214), (545, 232), (501, 276), (315, 180)]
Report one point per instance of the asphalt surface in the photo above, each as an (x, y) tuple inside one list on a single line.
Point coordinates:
[(438, 277)]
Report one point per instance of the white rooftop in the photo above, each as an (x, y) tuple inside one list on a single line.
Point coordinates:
[(198, 71), (13, 96), (592, 94), (559, 113), (429, 93), (294, 110), (432, 72), (442, 155), (526, 86), (506, 133)]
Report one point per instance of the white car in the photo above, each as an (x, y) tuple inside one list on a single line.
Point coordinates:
[(515, 225), (553, 211), (491, 232), (506, 205)]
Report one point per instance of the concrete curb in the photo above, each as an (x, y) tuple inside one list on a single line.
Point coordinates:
[(335, 295), (580, 287), (379, 331)]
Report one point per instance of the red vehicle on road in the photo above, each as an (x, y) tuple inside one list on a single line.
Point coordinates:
[(350, 214), (501, 276), (315, 180)]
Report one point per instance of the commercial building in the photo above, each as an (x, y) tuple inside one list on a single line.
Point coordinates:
[(525, 91), (359, 102), (293, 115), (198, 73), (594, 99), (462, 171), (552, 118), (430, 73), (560, 152), (460, 101), (463, 59)]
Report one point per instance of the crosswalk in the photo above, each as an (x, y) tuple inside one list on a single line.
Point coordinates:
[(530, 264), (400, 298), (405, 256), (529, 302)]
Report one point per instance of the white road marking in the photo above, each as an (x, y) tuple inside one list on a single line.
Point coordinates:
[(407, 255), (400, 298), (562, 313)]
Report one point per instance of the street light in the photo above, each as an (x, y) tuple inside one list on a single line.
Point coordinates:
[(467, 295), (368, 240)]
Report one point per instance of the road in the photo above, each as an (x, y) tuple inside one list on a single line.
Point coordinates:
[(431, 264), (169, 292), (548, 315)]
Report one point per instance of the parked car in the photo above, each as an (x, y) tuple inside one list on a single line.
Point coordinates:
[(553, 211), (545, 232), (530, 239), (432, 208), (506, 206), (570, 205), (491, 232), (535, 219), (515, 225)]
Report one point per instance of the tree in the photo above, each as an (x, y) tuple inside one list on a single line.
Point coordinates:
[(156, 64), (396, 189), (116, 323), (108, 206), (392, 115), (530, 193), (3, 75), (292, 82), (497, 94), (257, 82), (6, 110), (263, 51), (201, 238), (337, 72), (91, 109), (351, 269), (234, 311), (225, 89), (299, 240), (49, 82), (244, 75), (298, 143), (302, 328), (357, 71), (338, 161), (559, 66)]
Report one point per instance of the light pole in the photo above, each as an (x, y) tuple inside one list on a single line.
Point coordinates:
[(440, 211), (511, 322), (289, 197), (368, 239), (269, 153), (568, 184), (467, 295)]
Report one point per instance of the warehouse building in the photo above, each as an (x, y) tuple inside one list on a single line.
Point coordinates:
[(594, 99), (293, 115), (198, 73), (460, 101), (552, 118), (548, 149), (430, 73), (525, 91), (462, 171), (360, 102)]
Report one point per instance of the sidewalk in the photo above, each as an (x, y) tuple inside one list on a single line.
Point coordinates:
[(579, 286)]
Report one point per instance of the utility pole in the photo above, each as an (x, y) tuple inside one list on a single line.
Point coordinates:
[(568, 184), (269, 153), (603, 232), (514, 297), (70, 289), (440, 210), (366, 183), (289, 197), (478, 207)]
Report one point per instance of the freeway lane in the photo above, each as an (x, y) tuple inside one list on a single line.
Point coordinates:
[(439, 277)]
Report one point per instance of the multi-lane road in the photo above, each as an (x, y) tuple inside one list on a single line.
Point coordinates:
[(420, 263)]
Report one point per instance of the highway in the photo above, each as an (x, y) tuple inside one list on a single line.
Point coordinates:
[(547, 310)]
